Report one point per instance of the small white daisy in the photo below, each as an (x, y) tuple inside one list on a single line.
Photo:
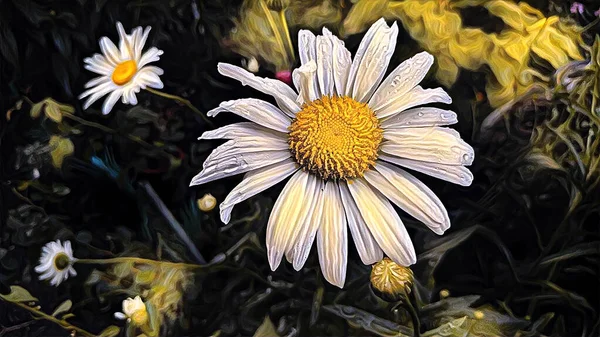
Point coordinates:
[(56, 262), (124, 70), (134, 310), (341, 137)]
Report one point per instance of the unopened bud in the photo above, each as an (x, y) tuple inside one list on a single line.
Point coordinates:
[(391, 280)]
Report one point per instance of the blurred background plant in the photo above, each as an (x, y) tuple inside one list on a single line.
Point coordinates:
[(521, 258)]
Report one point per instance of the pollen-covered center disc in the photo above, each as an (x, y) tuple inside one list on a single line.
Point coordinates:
[(335, 137)]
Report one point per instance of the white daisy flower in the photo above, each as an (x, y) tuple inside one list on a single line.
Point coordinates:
[(124, 70), (341, 138), (56, 262), (134, 310)]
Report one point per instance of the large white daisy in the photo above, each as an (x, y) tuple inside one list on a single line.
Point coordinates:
[(124, 70), (341, 138)]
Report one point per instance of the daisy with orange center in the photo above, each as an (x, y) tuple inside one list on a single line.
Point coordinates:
[(341, 137), (124, 71)]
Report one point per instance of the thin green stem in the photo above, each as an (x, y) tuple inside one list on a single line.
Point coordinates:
[(101, 127), (271, 21), (138, 260), (64, 324), (183, 101), (286, 29)]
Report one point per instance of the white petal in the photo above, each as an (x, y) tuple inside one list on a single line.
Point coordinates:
[(371, 60), (141, 41), (255, 182), (120, 315), (420, 117), (368, 249), (256, 110), (305, 80), (332, 237), (306, 46), (151, 55), (97, 81), (341, 62), (236, 164), (240, 130), (67, 248), (410, 194), (417, 96), (99, 64), (434, 145), (97, 93), (56, 280), (149, 77), (288, 214), (283, 94), (325, 66), (453, 173), (110, 101), (110, 51), (234, 147), (300, 250), (401, 80), (125, 50), (383, 222)]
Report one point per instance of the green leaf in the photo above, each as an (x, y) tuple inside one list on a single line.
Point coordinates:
[(266, 329), (110, 331), (18, 294), (453, 328), (63, 307)]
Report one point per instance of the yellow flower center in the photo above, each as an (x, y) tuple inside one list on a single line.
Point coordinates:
[(124, 72), (335, 137), (61, 261)]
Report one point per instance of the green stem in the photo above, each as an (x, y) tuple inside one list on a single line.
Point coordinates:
[(138, 260), (107, 129), (271, 21), (64, 324), (183, 101), (286, 29)]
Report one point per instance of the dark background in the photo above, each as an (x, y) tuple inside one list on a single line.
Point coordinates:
[(519, 214)]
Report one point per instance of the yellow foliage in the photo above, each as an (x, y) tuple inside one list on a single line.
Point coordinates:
[(438, 27), (262, 30)]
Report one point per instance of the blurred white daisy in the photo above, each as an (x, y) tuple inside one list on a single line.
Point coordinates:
[(340, 138), (124, 70), (56, 262), (134, 310)]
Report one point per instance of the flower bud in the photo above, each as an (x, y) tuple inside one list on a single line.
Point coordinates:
[(391, 280)]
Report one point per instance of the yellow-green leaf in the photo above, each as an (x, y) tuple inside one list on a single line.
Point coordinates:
[(63, 307), (52, 111), (18, 294), (61, 148), (266, 329), (110, 331), (36, 109)]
